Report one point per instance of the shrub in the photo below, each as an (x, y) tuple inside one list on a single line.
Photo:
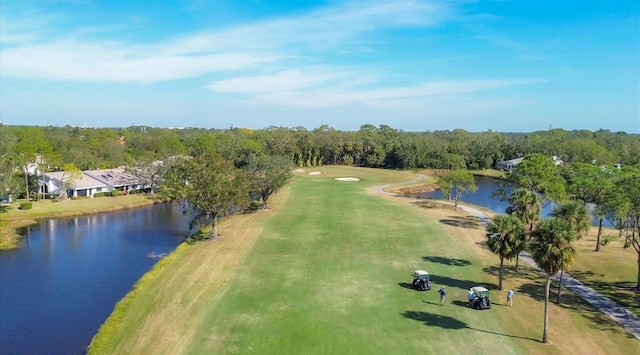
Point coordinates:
[(99, 194), (26, 205), (114, 193)]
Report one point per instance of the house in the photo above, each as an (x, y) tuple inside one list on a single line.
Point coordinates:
[(54, 182), (508, 164), (90, 182), (117, 179)]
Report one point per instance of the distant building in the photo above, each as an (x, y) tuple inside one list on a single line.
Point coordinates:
[(90, 182), (557, 161), (55, 182), (117, 179), (507, 165)]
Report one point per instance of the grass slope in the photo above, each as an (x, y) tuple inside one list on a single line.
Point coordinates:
[(329, 271)]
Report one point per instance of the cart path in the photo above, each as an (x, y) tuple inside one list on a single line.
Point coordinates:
[(607, 306), (618, 313)]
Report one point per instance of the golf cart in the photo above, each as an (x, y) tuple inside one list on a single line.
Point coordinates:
[(480, 299), (421, 280)]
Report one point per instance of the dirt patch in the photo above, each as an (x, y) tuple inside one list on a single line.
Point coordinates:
[(422, 189), (347, 179)]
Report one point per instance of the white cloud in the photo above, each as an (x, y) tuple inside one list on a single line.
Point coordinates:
[(34, 52), (282, 81), (338, 96), (112, 62)]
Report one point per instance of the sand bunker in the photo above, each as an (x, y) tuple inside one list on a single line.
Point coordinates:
[(299, 171), (315, 173), (347, 179)]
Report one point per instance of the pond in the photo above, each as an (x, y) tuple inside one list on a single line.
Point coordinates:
[(483, 197), (58, 289)]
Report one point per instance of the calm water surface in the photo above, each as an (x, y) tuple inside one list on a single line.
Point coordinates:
[(483, 197), (58, 289)]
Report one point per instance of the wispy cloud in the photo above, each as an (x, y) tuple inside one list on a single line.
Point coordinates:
[(285, 61), (312, 95), (282, 81), (78, 56)]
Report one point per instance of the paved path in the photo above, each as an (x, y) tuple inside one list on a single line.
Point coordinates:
[(612, 309)]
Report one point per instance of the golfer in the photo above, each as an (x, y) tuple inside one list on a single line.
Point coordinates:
[(442, 293), (510, 298)]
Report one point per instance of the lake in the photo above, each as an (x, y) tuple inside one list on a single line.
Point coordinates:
[(58, 289), (483, 197)]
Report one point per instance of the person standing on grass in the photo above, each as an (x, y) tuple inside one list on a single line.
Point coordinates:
[(442, 293), (510, 298)]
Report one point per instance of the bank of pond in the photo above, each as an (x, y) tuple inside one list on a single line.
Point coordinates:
[(61, 285)]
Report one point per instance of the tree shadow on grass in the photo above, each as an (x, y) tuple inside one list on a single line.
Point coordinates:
[(446, 261), (509, 272), (534, 284), (4, 208), (470, 222), (446, 322), (574, 304), (435, 320), (427, 204), (622, 292), (463, 284)]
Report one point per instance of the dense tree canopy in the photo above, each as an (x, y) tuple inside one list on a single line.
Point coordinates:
[(370, 146), (211, 185), (267, 174)]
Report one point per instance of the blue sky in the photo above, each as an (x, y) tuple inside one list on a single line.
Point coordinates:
[(415, 65)]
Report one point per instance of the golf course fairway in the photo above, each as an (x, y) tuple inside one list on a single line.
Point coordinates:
[(328, 270)]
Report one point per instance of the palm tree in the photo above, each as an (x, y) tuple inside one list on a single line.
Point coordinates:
[(576, 213), (526, 205), (505, 238), (552, 251)]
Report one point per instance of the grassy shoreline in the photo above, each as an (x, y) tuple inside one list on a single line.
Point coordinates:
[(14, 219)]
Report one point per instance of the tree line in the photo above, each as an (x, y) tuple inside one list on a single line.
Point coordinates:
[(370, 146)]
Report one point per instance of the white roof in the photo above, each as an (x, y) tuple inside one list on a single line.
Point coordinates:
[(479, 289), (421, 272), (115, 177), (81, 183)]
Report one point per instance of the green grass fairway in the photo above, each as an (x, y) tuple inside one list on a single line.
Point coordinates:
[(328, 271)]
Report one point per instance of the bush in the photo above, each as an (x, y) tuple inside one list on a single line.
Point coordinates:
[(99, 194), (26, 205), (114, 193)]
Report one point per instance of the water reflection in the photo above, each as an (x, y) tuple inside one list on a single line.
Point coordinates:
[(58, 289), (484, 197)]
